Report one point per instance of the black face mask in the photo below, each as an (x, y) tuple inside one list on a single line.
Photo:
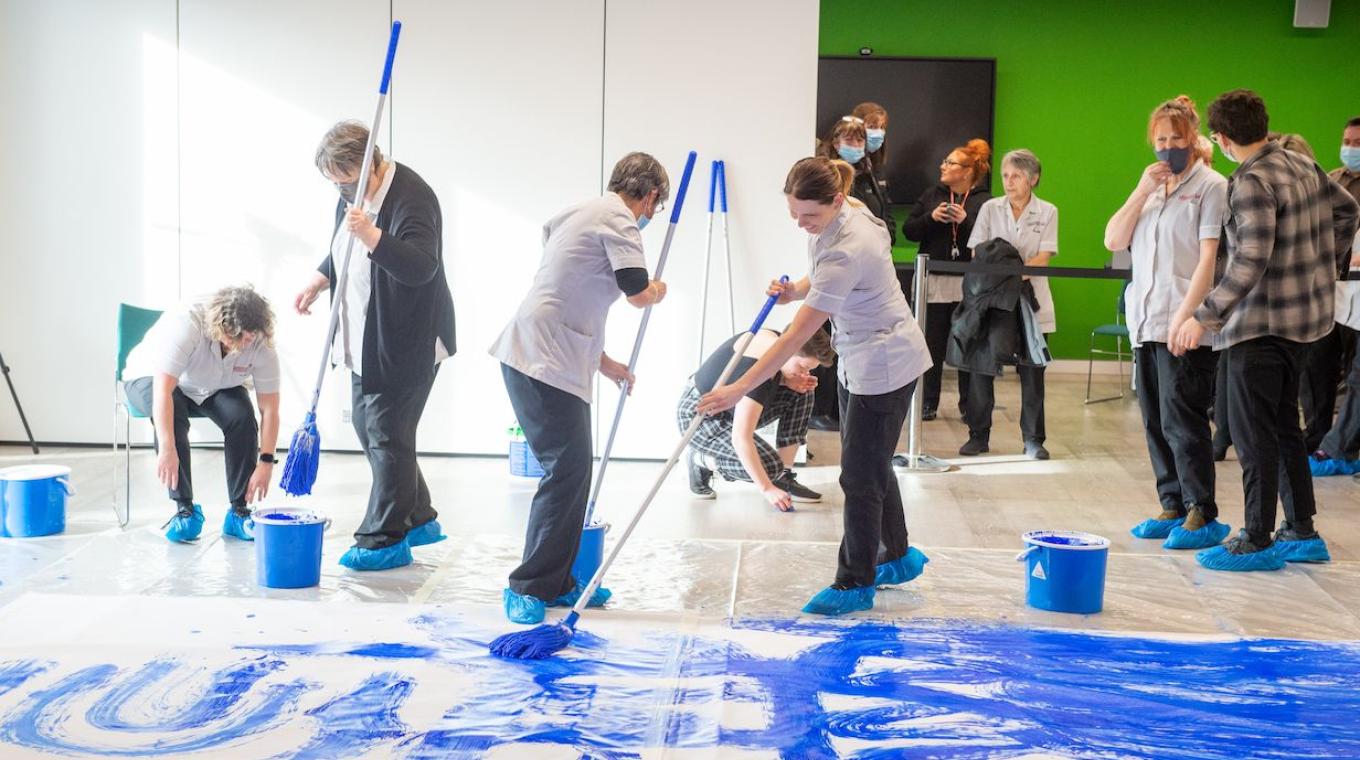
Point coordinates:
[(1178, 158), (348, 190)]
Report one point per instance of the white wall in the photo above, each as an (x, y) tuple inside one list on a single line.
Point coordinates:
[(131, 189)]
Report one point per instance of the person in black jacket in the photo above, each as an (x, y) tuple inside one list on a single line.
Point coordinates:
[(941, 222), (395, 326)]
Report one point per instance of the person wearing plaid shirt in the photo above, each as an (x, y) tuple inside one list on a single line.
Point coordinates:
[(1288, 242)]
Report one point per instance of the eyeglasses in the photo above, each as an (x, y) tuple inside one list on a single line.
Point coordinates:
[(952, 162)]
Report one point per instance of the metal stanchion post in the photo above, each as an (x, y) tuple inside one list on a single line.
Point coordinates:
[(917, 461)]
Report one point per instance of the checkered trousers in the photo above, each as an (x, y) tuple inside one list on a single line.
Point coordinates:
[(714, 437)]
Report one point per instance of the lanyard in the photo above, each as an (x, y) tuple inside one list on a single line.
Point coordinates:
[(954, 226)]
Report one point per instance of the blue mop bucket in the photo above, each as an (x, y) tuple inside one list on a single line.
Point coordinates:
[(523, 463), (288, 547), (1064, 570), (33, 500), (591, 554)]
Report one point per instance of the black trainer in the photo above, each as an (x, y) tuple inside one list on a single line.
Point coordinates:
[(1035, 450), (974, 446), (699, 478), (1288, 532), (929, 413), (825, 423), (1242, 543), (799, 492)]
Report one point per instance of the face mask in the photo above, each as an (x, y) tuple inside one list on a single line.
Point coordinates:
[(874, 139), (1178, 158), (1226, 154), (851, 155), (348, 190), (1350, 156), (642, 221)]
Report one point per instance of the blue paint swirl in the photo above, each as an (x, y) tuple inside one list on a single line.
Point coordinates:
[(16, 673), (359, 721)]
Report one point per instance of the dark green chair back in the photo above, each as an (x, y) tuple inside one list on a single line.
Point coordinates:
[(133, 324)]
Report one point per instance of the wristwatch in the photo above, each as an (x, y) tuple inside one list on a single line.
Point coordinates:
[(267, 458)]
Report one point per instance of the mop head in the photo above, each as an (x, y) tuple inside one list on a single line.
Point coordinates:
[(570, 598), (536, 643), (834, 601), (186, 525), (522, 608), (1212, 534), (1155, 528), (424, 535), (386, 558), (1303, 550), (1240, 555), (902, 569), (238, 526), (304, 453)]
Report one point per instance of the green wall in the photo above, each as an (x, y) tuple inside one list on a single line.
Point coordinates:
[(1076, 80)]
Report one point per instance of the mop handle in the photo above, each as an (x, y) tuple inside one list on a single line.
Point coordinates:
[(722, 187), (737, 351), (637, 341), (708, 256), (727, 244), (713, 184), (342, 276)]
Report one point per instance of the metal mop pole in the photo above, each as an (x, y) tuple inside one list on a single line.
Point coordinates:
[(708, 256), (727, 245), (916, 461), (15, 395)]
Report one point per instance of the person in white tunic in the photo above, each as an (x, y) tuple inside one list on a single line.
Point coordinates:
[(549, 355), (196, 359), (1029, 223), (1171, 224), (882, 353)]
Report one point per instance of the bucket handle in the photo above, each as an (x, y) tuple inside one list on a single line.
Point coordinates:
[(66, 486), (1022, 556)]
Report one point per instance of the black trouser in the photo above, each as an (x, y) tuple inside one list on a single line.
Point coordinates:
[(386, 425), (1343, 439), (1317, 387), (939, 318), (875, 522), (557, 426), (230, 409), (825, 403), (982, 399), (1222, 428), (1174, 393), (1263, 406)]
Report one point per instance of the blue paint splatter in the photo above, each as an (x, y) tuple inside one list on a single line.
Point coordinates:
[(359, 721), (15, 674), (381, 651)]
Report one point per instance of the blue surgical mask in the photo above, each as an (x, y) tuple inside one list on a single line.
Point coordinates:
[(851, 154), (642, 221), (1226, 154), (1350, 156), (874, 139), (1178, 158)]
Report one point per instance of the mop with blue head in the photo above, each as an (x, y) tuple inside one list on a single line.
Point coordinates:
[(550, 638), (304, 450)]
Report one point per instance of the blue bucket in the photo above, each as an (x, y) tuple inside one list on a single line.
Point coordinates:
[(288, 547), (33, 500), (591, 554), (523, 463), (1065, 570)]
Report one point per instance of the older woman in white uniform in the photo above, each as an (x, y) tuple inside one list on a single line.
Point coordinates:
[(882, 353), (549, 354), (1171, 224), (1030, 224)]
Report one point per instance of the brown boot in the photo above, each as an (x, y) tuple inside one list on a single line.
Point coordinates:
[(1194, 520)]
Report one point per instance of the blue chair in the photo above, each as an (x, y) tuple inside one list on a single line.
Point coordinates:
[(1120, 332)]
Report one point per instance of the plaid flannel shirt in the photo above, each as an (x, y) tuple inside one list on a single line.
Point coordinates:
[(1289, 234)]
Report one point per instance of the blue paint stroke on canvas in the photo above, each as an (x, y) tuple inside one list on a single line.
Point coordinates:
[(865, 690)]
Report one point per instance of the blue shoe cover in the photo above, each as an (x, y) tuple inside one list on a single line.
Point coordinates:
[(902, 569), (1307, 550), (833, 601), (1322, 468), (1212, 534), (424, 535), (1154, 528), (570, 598), (184, 528), (1219, 558), (238, 526), (523, 609), (386, 558)]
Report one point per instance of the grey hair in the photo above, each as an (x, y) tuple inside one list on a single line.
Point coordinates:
[(234, 310), (1026, 162), (637, 174), (341, 151)]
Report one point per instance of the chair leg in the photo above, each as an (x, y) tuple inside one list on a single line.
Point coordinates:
[(1090, 363), (1119, 357)]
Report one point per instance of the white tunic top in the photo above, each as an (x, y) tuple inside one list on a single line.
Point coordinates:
[(181, 345), (557, 336), (1036, 230), (880, 346), (1165, 250), (348, 348), (1348, 294)]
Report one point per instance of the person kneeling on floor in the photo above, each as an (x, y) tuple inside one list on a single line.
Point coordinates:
[(727, 442), (195, 361)]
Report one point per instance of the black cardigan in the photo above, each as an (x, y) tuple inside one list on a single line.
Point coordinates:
[(410, 303), (936, 238)]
